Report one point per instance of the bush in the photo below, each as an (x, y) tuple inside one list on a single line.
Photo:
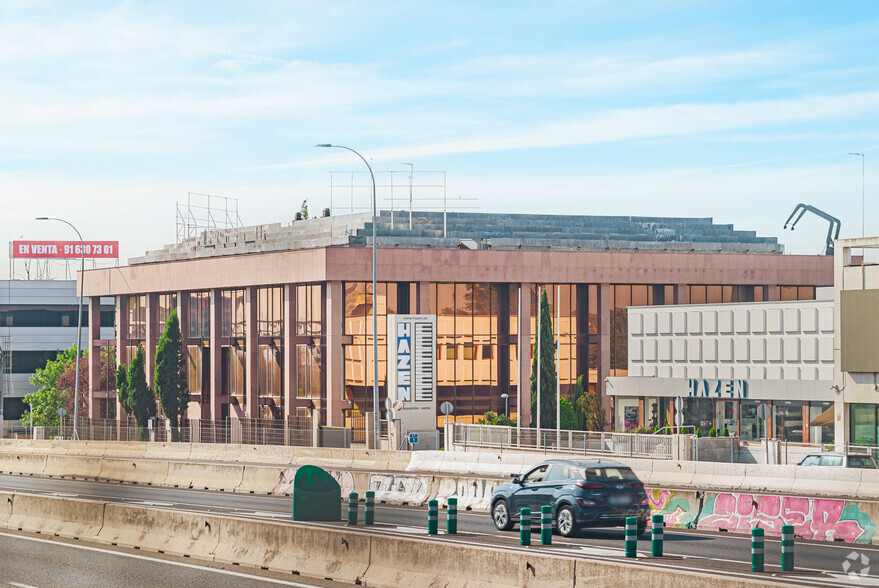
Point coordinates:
[(641, 430), (496, 419), (712, 432), (726, 431), (698, 431)]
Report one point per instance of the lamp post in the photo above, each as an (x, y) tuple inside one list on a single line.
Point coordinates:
[(78, 321), (376, 427), (506, 398), (863, 224)]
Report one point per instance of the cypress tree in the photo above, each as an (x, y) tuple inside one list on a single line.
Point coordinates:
[(170, 375), (547, 370), (139, 399)]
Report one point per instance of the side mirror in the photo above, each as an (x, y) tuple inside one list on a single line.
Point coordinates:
[(516, 480)]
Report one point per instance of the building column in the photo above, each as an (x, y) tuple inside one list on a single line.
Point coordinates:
[(251, 352), (422, 304), (524, 411), (94, 347), (121, 343), (806, 419), (216, 363), (152, 338), (289, 350), (604, 346), (335, 358)]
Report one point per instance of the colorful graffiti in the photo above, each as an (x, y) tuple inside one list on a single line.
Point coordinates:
[(822, 519), (676, 511)]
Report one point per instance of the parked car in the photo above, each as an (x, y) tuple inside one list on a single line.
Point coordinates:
[(582, 493), (839, 460)]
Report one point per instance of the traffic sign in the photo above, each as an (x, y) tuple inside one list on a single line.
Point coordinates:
[(679, 404), (389, 415), (398, 405), (764, 412), (387, 404), (447, 408), (413, 438), (679, 418), (62, 412)]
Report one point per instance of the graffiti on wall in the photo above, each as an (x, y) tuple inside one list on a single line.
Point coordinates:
[(821, 519), (676, 511), (285, 481)]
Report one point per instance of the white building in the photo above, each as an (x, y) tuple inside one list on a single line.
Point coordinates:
[(724, 361), (37, 319)]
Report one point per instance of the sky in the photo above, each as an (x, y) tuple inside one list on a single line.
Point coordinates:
[(112, 113)]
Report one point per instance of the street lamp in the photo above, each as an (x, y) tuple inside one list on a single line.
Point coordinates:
[(506, 398), (861, 155), (78, 320), (376, 427)]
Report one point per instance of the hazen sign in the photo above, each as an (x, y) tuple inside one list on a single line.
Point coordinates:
[(65, 249), (718, 388), (412, 369)]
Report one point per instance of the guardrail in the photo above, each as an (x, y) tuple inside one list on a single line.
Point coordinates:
[(584, 442)]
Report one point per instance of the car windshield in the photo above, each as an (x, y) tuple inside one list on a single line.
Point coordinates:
[(860, 461), (613, 474)]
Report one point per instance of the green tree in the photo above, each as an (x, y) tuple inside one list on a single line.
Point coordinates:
[(56, 384), (170, 375), (579, 390), (137, 399), (547, 370), (568, 415), (594, 415), (490, 418), (46, 403), (304, 209)]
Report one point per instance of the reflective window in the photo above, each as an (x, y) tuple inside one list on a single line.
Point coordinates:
[(167, 304), (788, 420), (200, 315), (137, 317), (233, 318), (270, 311)]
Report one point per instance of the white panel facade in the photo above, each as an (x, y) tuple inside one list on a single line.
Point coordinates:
[(790, 340)]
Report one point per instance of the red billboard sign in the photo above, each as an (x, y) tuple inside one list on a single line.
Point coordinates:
[(65, 249)]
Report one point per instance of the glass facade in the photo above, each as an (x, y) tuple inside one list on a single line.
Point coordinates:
[(626, 415), (621, 297), (270, 330), (863, 424), (199, 315), (821, 433), (358, 353), (167, 303), (788, 420)]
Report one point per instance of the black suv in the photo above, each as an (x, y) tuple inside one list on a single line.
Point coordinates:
[(582, 493)]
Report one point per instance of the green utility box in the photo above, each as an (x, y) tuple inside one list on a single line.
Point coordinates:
[(316, 495)]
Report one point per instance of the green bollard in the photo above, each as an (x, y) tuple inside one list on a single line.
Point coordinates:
[(352, 509), (369, 508), (452, 516), (432, 517), (787, 548), (546, 525), (756, 549), (631, 536), (525, 526), (656, 535)]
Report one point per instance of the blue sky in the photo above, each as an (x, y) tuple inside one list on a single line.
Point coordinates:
[(111, 112)]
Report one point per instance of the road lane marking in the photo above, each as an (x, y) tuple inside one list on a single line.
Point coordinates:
[(21, 585), (158, 560)]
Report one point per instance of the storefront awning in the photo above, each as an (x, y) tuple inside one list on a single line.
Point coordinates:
[(825, 418)]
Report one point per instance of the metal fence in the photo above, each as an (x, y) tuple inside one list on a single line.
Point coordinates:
[(295, 431), (581, 442)]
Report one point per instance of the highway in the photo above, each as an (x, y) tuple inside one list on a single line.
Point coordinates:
[(819, 563)]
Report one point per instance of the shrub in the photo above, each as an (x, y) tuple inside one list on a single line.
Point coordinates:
[(726, 431), (698, 431), (712, 432)]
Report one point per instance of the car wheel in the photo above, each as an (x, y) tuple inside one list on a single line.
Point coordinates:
[(565, 522), (500, 513)]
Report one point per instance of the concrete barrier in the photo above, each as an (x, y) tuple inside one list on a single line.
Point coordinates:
[(6, 499), (779, 479), (168, 531), (671, 474), (618, 574), (397, 561), (838, 483), (315, 551), (260, 479), (869, 484), (167, 450), (225, 452), (718, 476), (67, 517), (204, 476), (400, 488), (22, 463), (72, 466), (143, 471)]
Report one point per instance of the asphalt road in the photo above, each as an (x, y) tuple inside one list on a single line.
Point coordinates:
[(35, 561), (818, 563)]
